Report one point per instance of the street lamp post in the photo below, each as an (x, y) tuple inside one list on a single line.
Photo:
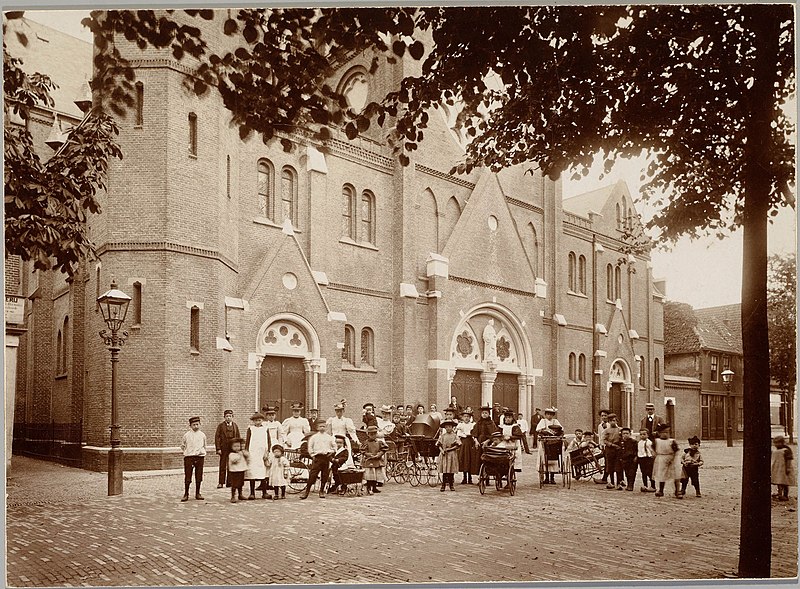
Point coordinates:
[(114, 306), (727, 378)]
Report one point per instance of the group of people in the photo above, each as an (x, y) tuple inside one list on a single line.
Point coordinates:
[(259, 456)]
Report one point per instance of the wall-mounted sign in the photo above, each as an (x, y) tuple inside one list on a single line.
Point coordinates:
[(15, 309)]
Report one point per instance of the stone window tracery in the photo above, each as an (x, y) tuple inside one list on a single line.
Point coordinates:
[(464, 344)]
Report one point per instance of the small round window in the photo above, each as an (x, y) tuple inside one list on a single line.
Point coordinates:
[(492, 221), (355, 89), (289, 281)]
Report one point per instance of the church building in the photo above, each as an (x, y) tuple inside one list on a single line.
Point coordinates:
[(260, 276)]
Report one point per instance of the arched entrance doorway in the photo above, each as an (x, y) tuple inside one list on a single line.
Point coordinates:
[(490, 360), (620, 390), (288, 349)]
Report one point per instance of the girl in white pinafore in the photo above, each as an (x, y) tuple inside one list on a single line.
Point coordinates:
[(256, 446)]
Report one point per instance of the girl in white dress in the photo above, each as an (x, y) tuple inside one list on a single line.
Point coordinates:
[(256, 446), (278, 466)]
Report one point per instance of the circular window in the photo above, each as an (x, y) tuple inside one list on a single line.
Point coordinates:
[(355, 89), (492, 221), (289, 281), (284, 330)]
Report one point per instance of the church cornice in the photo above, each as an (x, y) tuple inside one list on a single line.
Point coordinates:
[(525, 205), (165, 246), (513, 291), (444, 176), (382, 294)]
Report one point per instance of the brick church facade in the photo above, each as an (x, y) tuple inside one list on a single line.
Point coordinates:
[(326, 273)]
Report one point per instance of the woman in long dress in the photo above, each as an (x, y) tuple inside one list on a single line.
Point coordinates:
[(343, 426), (295, 428), (256, 446), (545, 428)]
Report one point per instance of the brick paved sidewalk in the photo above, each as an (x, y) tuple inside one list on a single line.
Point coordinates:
[(62, 530)]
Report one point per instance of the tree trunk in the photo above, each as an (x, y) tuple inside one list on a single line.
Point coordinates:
[(755, 540)]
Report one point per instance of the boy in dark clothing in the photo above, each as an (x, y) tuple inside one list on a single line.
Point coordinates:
[(627, 458), (339, 458), (369, 418), (609, 440)]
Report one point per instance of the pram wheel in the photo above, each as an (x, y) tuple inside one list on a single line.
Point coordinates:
[(483, 478)]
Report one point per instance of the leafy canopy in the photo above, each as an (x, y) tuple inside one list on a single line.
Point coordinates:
[(47, 202), (782, 317)]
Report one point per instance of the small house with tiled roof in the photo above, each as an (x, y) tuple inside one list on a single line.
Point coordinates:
[(699, 345)]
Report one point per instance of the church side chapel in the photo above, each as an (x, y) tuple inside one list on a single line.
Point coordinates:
[(261, 276)]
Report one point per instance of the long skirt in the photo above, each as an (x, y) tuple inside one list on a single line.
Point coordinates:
[(666, 468), (374, 473), (469, 457), (448, 462)]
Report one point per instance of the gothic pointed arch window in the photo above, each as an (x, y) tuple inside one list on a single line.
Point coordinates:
[(617, 283), (368, 217), (582, 368), (582, 274), (288, 195), (573, 376), (367, 347), (355, 88), (610, 283), (265, 187), (572, 283), (59, 345), (619, 216), (349, 212), (349, 349)]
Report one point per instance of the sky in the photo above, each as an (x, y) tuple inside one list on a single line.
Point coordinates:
[(704, 273)]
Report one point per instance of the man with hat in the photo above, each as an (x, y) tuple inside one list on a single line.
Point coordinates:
[(312, 414), (295, 428), (651, 421), (321, 447), (497, 414), (484, 427), (194, 453), (537, 417), (226, 431), (339, 425)]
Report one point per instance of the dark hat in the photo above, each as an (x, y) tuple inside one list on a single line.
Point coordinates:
[(312, 409), (227, 412), (277, 446), (267, 410), (662, 426), (448, 422), (339, 437), (237, 441), (320, 422), (612, 416), (372, 428), (297, 406), (365, 405), (510, 412), (450, 409), (466, 412), (193, 419), (694, 440), (486, 408), (257, 415), (556, 427)]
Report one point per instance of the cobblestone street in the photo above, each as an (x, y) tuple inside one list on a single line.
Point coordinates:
[(63, 531)]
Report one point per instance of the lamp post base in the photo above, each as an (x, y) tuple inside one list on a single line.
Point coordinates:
[(730, 437), (115, 472)]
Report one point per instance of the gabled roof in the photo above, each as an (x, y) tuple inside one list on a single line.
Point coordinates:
[(721, 327), (595, 200), (691, 330), (67, 60)]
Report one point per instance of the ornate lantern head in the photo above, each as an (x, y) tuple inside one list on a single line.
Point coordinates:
[(114, 306)]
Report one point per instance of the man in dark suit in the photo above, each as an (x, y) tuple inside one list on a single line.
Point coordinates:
[(497, 414), (226, 431), (651, 421), (537, 417)]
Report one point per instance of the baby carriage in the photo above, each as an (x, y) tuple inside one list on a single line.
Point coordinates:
[(587, 463), (352, 481), (553, 460), (497, 463), (423, 451)]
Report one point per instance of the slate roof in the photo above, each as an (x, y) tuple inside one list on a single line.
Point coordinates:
[(595, 200), (67, 60), (713, 328)]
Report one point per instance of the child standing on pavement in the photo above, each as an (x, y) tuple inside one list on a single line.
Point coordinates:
[(194, 453), (448, 460), (781, 468), (237, 465), (627, 458), (666, 465), (692, 461), (372, 452), (645, 456), (277, 472)]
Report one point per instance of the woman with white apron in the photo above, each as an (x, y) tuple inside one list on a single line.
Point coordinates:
[(256, 446)]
